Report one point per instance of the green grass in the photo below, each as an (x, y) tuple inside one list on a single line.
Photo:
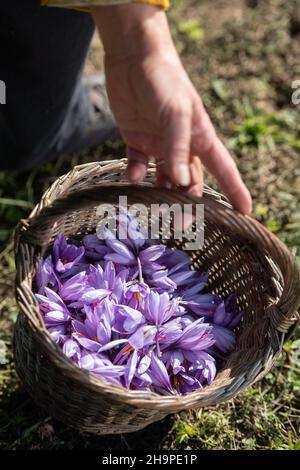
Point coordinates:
[(265, 131), (241, 71), (191, 29)]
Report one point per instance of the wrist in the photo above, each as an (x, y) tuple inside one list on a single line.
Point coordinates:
[(132, 32)]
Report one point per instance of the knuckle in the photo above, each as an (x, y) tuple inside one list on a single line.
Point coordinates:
[(206, 138), (181, 149), (181, 109), (183, 112)]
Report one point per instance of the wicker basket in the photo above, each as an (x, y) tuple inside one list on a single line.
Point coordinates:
[(241, 256)]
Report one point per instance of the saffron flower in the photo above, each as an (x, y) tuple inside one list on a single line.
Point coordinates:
[(66, 255), (46, 275), (56, 314), (132, 311), (102, 367)]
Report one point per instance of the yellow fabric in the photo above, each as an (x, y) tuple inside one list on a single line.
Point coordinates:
[(84, 4)]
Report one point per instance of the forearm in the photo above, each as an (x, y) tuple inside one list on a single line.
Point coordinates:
[(132, 31)]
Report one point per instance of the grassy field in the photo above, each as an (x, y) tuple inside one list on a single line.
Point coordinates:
[(243, 57)]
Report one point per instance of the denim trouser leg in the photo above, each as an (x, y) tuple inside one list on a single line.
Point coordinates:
[(42, 54)]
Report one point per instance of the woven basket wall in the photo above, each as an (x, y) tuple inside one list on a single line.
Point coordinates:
[(240, 255)]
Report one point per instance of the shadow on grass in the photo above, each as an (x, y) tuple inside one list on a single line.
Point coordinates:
[(24, 426)]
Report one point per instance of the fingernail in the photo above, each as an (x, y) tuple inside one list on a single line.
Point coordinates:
[(183, 174)]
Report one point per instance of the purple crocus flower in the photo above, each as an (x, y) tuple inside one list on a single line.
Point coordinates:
[(224, 319), (130, 368), (174, 360), (190, 284), (159, 375), (161, 282), (203, 367), (128, 252), (45, 275), (184, 382), (142, 379), (101, 284), (203, 305), (224, 338), (196, 336), (108, 278), (95, 332), (143, 337), (114, 282), (56, 315), (158, 308), (180, 375), (149, 255), (141, 382), (119, 253), (174, 260), (72, 350), (80, 267), (94, 336), (127, 319), (92, 297), (143, 367), (66, 255), (168, 334), (95, 248), (50, 303), (58, 332), (103, 367), (136, 356), (74, 287), (135, 294), (130, 231), (154, 270), (185, 278), (227, 314), (189, 370)]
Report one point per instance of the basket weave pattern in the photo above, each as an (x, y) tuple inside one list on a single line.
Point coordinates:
[(240, 255)]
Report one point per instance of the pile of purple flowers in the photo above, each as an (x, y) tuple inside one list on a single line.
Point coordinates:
[(132, 311)]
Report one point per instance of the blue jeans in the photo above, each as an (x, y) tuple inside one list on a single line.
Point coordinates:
[(42, 54)]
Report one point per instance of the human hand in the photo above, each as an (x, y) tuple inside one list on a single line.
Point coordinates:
[(158, 111)]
